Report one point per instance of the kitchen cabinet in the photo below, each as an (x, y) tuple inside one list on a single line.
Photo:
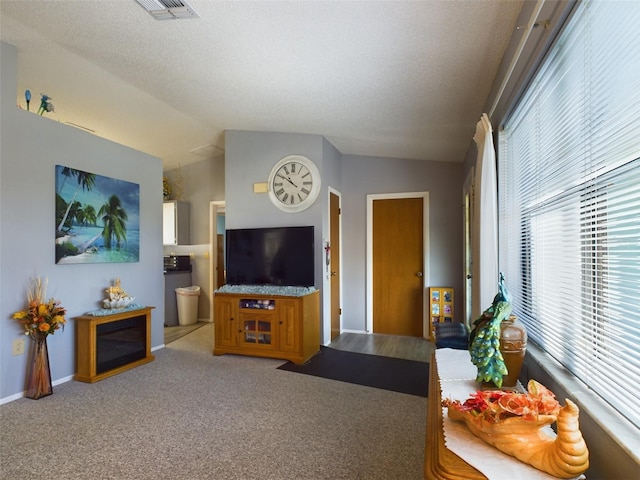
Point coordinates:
[(175, 223), (267, 326)]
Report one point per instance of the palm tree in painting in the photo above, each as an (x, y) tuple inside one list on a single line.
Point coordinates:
[(84, 179), (89, 216), (75, 212), (79, 217), (115, 219), (86, 216), (66, 173)]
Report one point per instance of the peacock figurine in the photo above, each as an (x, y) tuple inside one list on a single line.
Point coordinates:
[(484, 339)]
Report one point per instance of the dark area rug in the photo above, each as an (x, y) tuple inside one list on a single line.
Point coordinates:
[(395, 374)]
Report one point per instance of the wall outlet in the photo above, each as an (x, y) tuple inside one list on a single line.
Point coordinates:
[(18, 346)]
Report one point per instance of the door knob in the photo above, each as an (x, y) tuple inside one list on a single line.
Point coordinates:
[(333, 274), (419, 274)]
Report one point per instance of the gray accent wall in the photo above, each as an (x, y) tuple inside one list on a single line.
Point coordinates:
[(31, 146), (249, 158), (362, 176)]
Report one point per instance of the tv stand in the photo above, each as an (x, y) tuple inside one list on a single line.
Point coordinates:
[(267, 325)]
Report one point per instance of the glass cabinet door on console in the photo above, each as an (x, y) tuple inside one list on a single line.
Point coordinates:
[(257, 322), (257, 330)]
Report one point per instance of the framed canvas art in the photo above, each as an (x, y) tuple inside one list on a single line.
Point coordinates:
[(97, 218)]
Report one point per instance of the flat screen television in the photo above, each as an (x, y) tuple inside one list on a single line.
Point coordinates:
[(282, 256)]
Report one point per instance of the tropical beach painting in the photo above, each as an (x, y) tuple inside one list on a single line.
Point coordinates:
[(97, 218)]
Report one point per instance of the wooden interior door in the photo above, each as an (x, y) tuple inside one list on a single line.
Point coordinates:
[(398, 260), (334, 263), (220, 262)]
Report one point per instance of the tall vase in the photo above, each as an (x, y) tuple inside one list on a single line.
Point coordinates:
[(513, 346), (39, 376)]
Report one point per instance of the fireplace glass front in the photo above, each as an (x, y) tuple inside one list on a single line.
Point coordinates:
[(119, 343)]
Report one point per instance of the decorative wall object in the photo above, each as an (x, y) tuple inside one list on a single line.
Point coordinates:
[(97, 218), (166, 188), (178, 184), (45, 105)]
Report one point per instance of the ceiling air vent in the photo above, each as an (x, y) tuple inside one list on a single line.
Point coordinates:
[(168, 9), (207, 151)]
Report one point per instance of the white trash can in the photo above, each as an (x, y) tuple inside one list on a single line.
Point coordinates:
[(187, 299)]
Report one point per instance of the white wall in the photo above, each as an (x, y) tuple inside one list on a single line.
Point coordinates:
[(31, 146)]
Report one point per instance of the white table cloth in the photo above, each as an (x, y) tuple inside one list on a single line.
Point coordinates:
[(457, 377)]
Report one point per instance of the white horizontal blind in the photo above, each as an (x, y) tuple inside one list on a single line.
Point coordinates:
[(569, 202)]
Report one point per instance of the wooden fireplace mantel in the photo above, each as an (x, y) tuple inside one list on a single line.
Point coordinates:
[(87, 344)]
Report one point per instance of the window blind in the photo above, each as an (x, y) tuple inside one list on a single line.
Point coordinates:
[(569, 202)]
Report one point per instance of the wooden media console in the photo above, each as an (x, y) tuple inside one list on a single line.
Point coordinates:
[(266, 325)]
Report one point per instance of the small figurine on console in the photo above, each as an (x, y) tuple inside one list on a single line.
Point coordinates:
[(118, 298)]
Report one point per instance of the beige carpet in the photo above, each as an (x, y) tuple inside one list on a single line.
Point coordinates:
[(192, 415)]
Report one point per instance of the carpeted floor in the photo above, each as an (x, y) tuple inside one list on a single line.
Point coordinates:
[(192, 415), (394, 374)]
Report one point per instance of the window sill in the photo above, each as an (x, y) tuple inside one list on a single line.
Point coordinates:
[(595, 413)]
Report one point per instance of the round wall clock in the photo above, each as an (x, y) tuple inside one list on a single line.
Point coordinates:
[(294, 183)]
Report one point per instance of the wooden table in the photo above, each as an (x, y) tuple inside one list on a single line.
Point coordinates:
[(439, 461)]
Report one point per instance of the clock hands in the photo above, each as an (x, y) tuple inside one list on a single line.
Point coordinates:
[(288, 180)]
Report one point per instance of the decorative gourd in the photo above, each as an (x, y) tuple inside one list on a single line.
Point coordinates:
[(514, 425)]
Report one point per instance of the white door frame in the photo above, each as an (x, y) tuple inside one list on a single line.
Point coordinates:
[(468, 190), (425, 267)]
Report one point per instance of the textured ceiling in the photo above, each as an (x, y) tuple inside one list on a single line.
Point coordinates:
[(384, 78)]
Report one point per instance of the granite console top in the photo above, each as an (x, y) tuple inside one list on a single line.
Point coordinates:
[(266, 290)]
